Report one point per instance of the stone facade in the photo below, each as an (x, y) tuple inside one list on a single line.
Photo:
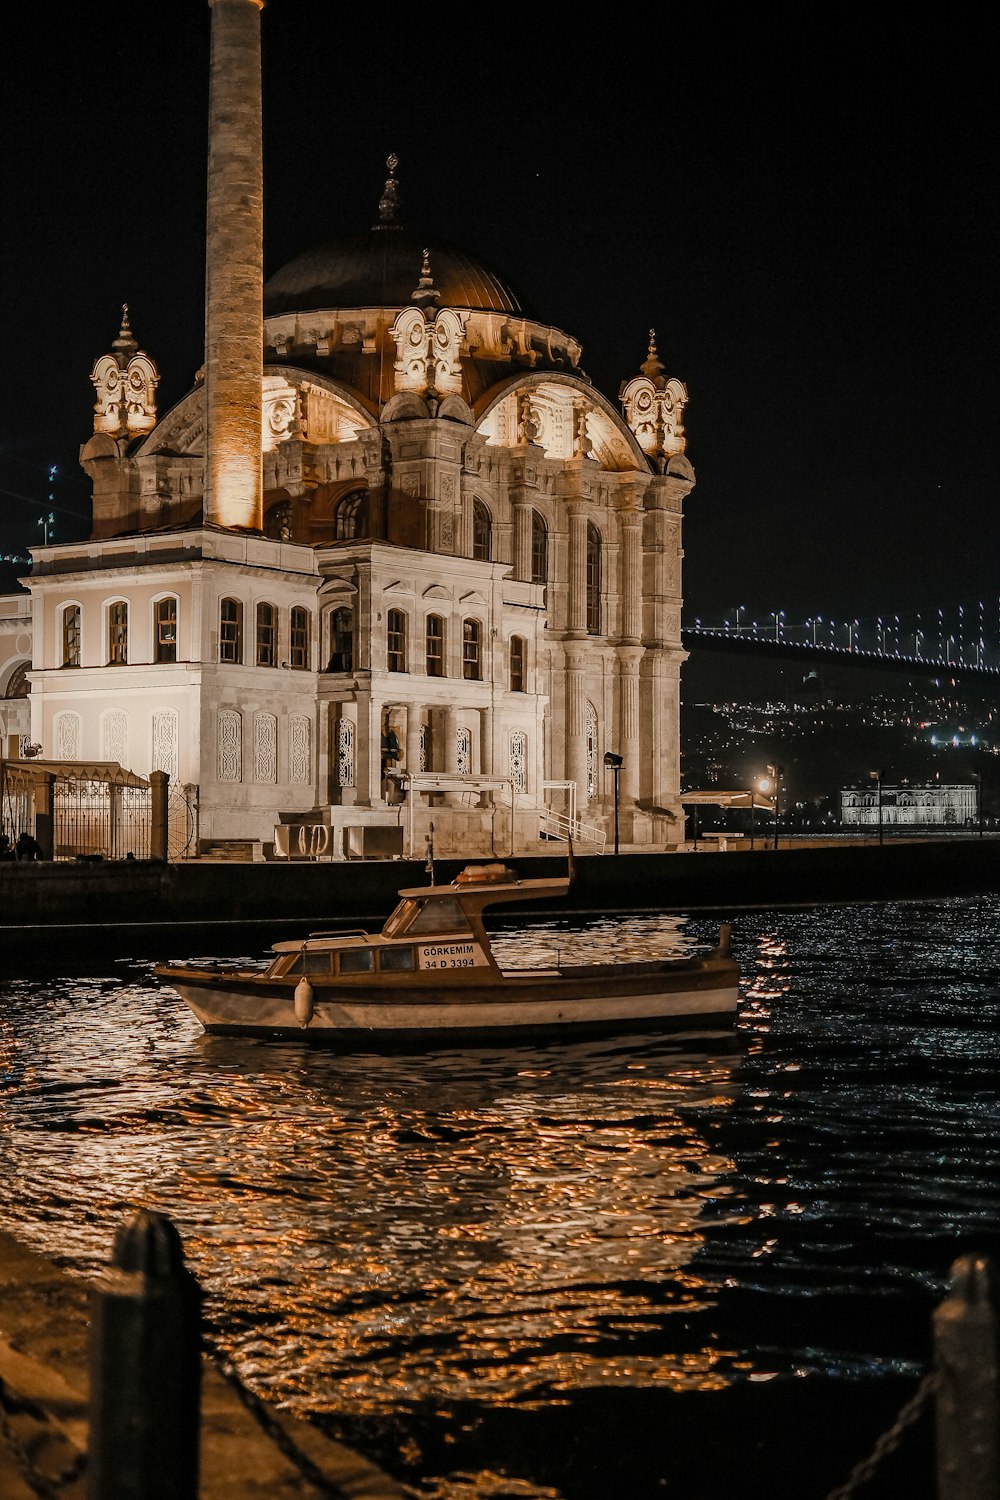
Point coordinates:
[(910, 806)]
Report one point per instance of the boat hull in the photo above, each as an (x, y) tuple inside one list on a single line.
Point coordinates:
[(530, 1005)]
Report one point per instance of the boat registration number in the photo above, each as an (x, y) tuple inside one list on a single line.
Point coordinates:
[(451, 956)]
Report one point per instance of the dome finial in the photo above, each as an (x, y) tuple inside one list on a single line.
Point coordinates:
[(388, 204), (125, 344), (426, 291), (652, 366)]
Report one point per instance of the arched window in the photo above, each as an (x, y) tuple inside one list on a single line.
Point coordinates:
[(593, 579), (18, 685), (517, 660), (341, 640), (230, 634), (434, 646), (118, 633), (539, 549), (298, 640), (278, 521), (267, 638), (350, 521), (482, 531), (165, 629), (518, 756), (395, 641), (472, 650), (71, 636)]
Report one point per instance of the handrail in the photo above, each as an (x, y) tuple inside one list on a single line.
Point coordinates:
[(559, 826)]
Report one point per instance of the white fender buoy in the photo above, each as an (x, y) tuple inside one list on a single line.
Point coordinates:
[(303, 1002)]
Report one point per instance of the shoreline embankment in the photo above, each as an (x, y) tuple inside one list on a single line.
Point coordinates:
[(143, 908)]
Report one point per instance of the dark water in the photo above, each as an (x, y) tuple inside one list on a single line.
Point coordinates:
[(651, 1266)]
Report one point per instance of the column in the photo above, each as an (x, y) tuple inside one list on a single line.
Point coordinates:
[(631, 576), (576, 728), (522, 539), (629, 745), (234, 271), (577, 602)]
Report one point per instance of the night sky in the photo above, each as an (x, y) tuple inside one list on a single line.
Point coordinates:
[(808, 219)]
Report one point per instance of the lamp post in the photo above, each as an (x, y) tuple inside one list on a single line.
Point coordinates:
[(776, 773), (977, 777), (614, 764), (876, 776)]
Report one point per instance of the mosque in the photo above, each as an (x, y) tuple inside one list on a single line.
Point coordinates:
[(392, 561)]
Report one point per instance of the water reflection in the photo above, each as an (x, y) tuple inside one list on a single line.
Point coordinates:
[(492, 1225)]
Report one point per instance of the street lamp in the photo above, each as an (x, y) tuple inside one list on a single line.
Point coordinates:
[(776, 773), (876, 776), (614, 764)]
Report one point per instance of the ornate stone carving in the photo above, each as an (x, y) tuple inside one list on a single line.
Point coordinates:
[(165, 738), (299, 750), (125, 382), (265, 747), (230, 735)]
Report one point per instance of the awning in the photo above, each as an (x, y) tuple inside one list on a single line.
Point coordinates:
[(74, 770), (749, 798)]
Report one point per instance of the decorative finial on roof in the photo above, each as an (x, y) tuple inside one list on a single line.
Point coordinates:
[(652, 366), (388, 204), (125, 344), (426, 292)]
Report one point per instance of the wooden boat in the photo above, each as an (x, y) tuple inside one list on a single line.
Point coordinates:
[(430, 976)]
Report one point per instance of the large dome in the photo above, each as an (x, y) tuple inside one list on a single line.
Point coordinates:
[(382, 269)]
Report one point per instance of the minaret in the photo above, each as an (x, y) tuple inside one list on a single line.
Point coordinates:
[(234, 276)]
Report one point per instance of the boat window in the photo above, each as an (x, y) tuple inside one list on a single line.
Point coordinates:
[(399, 919), (282, 965), (315, 963), (356, 961), (441, 915), (391, 959)]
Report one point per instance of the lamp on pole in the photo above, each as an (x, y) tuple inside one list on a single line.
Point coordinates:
[(614, 765), (776, 773), (876, 776)]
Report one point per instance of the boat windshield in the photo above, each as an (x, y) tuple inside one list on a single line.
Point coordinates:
[(441, 914)]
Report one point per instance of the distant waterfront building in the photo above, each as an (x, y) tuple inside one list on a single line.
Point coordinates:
[(912, 806), (412, 540)]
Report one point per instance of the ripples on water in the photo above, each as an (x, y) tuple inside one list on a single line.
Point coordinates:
[(523, 1261)]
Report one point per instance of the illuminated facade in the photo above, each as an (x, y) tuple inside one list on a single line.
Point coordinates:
[(910, 806), (464, 560)]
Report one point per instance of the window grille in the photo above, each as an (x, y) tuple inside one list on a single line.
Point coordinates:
[(472, 664), (298, 648), (482, 531), (345, 752), (539, 549), (118, 633), (267, 635), (299, 750), (71, 635), (396, 641), (519, 760), (435, 646), (265, 748), (517, 654), (593, 579), (165, 622), (231, 630)]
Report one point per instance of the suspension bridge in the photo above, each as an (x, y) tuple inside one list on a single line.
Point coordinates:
[(960, 641)]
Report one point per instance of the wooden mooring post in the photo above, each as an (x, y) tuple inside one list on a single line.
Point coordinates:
[(968, 1393), (145, 1369)]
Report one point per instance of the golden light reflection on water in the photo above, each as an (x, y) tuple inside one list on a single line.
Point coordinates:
[(504, 1225)]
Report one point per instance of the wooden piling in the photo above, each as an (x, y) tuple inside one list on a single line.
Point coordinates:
[(968, 1398), (145, 1369)]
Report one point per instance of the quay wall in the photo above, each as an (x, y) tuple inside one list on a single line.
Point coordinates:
[(126, 904)]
